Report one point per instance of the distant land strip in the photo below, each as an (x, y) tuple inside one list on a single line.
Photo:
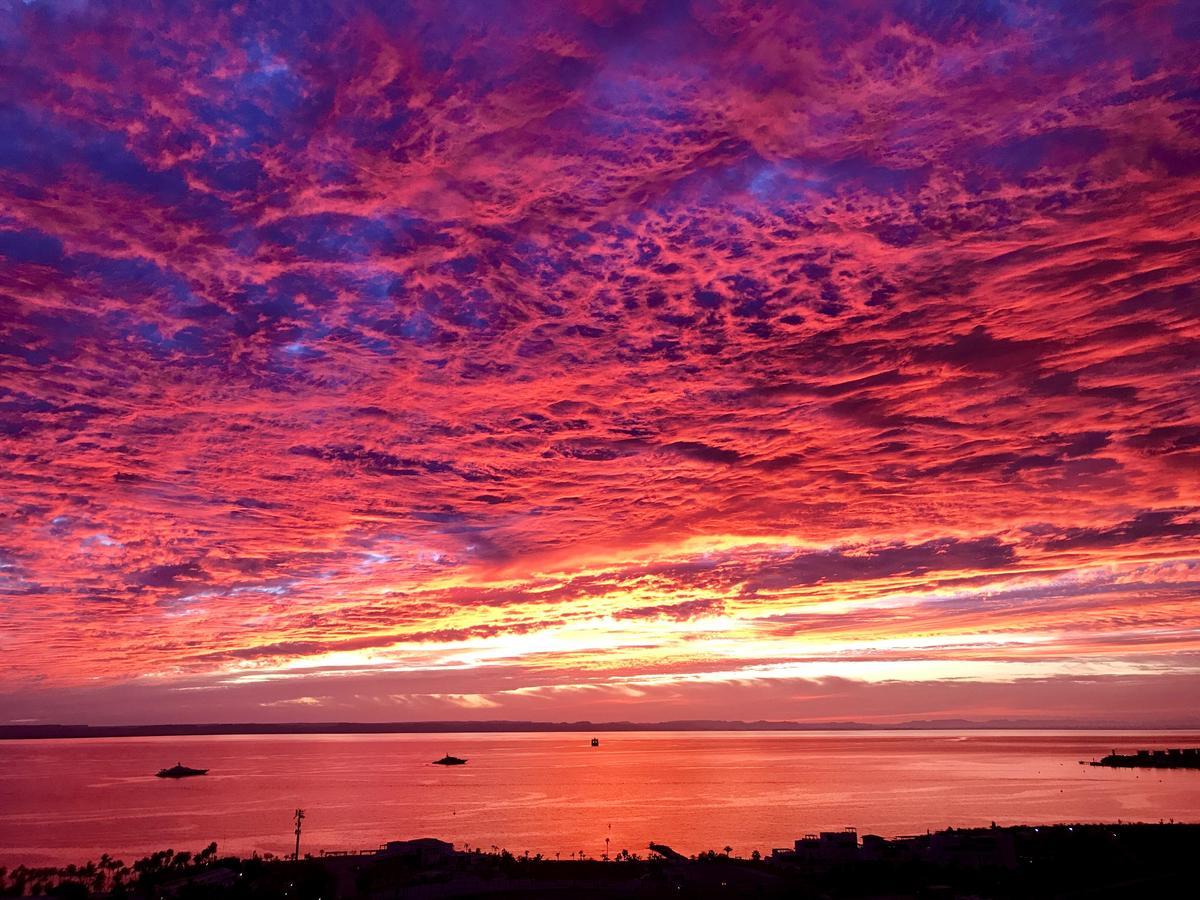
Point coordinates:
[(31, 731)]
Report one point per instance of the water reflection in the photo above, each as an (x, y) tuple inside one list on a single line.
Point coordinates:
[(65, 801)]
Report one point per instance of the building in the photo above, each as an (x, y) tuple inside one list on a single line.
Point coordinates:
[(422, 851), (828, 846)]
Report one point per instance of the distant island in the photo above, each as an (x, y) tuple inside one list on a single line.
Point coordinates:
[(51, 731)]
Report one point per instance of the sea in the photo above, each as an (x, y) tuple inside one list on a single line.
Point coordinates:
[(68, 801)]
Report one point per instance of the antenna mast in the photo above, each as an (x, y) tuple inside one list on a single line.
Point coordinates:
[(299, 818)]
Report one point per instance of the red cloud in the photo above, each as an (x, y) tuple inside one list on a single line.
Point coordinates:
[(363, 341)]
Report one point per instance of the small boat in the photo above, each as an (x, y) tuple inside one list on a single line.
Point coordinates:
[(179, 770), (449, 760), (595, 742)]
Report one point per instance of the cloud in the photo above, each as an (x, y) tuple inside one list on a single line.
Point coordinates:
[(387, 334), (1156, 524)]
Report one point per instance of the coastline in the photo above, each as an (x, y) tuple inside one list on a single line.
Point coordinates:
[(1096, 860), (204, 729)]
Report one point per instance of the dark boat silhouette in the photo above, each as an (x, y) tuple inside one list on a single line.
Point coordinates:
[(179, 770), (595, 742), (449, 760)]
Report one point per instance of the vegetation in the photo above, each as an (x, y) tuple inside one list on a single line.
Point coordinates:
[(1008, 862), (108, 875)]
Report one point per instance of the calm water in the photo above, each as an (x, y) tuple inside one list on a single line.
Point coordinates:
[(67, 801)]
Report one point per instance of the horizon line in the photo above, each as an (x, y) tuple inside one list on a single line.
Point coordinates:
[(34, 730)]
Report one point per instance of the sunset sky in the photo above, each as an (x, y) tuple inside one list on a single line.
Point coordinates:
[(613, 359)]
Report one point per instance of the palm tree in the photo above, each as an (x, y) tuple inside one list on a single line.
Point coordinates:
[(19, 877)]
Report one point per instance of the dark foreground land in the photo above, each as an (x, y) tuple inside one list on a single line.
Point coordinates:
[(1068, 861), (1184, 758)]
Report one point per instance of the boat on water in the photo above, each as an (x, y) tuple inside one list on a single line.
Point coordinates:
[(179, 770), (595, 742), (449, 760)]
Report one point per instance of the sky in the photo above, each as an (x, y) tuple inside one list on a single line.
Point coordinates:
[(610, 359)]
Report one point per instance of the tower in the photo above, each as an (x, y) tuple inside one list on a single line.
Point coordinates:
[(299, 818)]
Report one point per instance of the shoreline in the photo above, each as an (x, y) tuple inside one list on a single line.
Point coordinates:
[(240, 850), (1146, 859)]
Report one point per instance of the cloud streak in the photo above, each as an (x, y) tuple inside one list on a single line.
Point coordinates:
[(565, 345)]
